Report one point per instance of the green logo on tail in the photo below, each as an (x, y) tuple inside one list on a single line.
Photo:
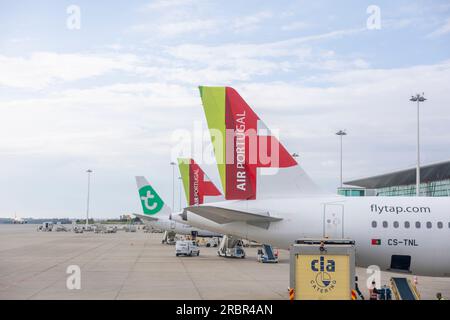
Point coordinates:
[(151, 202)]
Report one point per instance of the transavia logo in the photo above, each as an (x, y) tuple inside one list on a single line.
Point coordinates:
[(151, 202), (323, 281)]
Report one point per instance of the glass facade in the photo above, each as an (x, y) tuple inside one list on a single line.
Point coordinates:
[(440, 188), (351, 192)]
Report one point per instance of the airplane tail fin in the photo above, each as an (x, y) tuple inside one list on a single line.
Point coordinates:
[(198, 187), (152, 203), (252, 163)]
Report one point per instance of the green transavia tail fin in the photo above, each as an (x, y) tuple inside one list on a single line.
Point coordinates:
[(152, 204)]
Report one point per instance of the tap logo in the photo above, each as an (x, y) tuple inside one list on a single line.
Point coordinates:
[(323, 281), (151, 202)]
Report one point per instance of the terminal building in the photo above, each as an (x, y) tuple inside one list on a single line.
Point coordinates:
[(434, 178)]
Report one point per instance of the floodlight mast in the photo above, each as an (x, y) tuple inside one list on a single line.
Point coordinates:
[(418, 98), (172, 163), (341, 133), (89, 171)]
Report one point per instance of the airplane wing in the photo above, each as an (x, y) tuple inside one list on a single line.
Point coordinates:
[(145, 217), (224, 215)]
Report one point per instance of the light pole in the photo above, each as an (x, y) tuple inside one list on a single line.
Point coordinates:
[(89, 171), (341, 133), (173, 184), (179, 190), (418, 98)]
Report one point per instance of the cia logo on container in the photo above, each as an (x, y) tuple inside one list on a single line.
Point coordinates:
[(324, 281)]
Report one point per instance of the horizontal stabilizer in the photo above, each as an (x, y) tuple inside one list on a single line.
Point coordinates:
[(224, 215), (145, 217)]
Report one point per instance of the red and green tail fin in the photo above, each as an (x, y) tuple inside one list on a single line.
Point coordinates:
[(250, 159), (198, 187)]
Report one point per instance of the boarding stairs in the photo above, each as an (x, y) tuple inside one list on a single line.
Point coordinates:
[(231, 247), (403, 289)]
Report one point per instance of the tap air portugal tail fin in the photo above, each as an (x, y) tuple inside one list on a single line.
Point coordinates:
[(252, 163), (153, 206), (198, 187)]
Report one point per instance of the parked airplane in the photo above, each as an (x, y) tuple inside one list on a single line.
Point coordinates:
[(158, 215), (18, 220), (273, 200)]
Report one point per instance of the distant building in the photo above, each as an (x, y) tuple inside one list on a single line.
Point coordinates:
[(434, 178)]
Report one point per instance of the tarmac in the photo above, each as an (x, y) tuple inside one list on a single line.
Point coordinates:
[(135, 265)]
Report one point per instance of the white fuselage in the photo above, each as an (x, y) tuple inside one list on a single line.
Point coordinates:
[(166, 224), (18, 221), (379, 226)]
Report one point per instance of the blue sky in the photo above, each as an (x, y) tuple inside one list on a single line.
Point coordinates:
[(110, 95)]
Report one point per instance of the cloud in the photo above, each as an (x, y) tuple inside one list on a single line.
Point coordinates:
[(109, 125), (282, 48), (41, 69), (165, 4), (242, 61), (187, 63), (352, 88), (327, 35), (441, 31), (191, 23), (250, 22), (174, 29), (296, 25), (163, 19)]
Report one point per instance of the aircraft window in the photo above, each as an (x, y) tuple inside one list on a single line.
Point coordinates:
[(385, 224), (396, 224), (407, 224), (429, 225), (418, 224), (374, 224), (440, 225)]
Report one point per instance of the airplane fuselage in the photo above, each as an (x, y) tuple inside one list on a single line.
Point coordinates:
[(169, 225), (387, 230)]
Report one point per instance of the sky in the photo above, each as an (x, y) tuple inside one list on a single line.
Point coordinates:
[(112, 85)]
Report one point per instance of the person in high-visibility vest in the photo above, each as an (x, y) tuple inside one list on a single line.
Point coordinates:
[(373, 292)]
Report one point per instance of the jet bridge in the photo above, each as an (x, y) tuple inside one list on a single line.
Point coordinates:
[(403, 289)]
